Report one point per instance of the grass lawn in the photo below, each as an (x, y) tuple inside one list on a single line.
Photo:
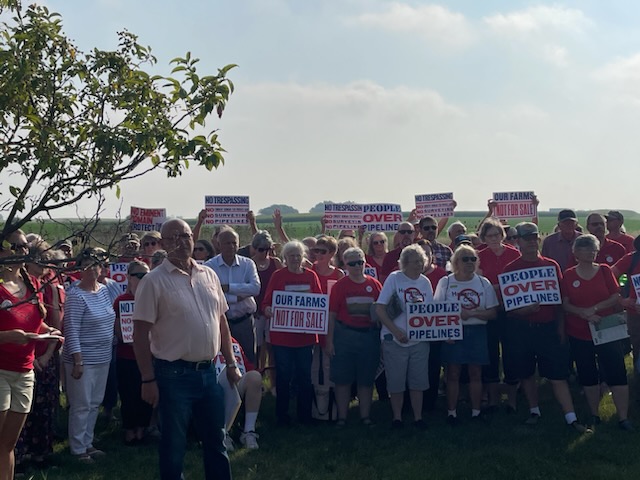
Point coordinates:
[(502, 448)]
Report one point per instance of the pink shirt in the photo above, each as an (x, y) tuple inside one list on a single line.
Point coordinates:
[(184, 309)]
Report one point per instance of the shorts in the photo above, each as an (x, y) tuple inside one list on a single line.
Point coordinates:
[(528, 345), (16, 391), (596, 363), (357, 355), (471, 350), (406, 366)]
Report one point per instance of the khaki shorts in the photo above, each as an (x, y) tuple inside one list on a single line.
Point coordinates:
[(16, 391)]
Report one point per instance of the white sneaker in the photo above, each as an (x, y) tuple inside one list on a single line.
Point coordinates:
[(250, 440), (228, 442)]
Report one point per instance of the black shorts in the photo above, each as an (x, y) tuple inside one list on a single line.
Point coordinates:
[(596, 363)]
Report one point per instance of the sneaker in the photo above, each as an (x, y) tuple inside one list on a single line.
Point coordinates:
[(533, 419), (228, 443), (249, 440), (95, 453), (85, 459), (452, 421), (578, 427), (626, 425)]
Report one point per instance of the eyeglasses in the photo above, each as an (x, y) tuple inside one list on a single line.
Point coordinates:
[(379, 242), (138, 275), (426, 228), (469, 259), (356, 263), (405, 232), (21, 246), (150, 244), (263, 249), (319, 251), (199, 249)]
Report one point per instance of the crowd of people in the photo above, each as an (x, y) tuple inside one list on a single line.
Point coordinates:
[(201, 320)]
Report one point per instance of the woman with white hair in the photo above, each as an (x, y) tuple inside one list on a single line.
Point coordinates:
[(454, 230), (292, 351), (405, 361), (478, 304)]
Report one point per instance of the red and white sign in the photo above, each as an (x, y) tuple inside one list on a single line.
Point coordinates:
[(514, 205), (300, 312), (530, 286), (126, 320), (435, 321), (118, 273), (147, 219), (437, 205), (226, 209)]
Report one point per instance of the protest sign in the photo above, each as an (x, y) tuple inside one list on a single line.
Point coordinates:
[(609, 329), (635, 281), (220, 362), (437, 205), (299, 312), (342, 216), (530, 286), (126, 320), (428, 322), (226, 209), (118, 273), (381, 217), (147, 219), (371, 271), (514, 205)]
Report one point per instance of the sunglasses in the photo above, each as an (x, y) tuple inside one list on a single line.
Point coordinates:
[(138, 275), (356, 263), (469, 259), (405, 232), (379, 242), (263, 249), (198, 249), (150, 244), (426, 228), (319, 251)]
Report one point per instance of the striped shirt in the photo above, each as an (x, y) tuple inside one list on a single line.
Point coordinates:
[(88, 325)]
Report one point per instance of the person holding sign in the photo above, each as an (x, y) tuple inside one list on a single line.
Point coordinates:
[(493, 259), (535, 326), (590, 293), (135, 412), (429, 230), (478, 303), (292, 351), (353, 339), (405, 361)]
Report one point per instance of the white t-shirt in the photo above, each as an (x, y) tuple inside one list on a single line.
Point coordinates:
[(472, 294), (409, 291)]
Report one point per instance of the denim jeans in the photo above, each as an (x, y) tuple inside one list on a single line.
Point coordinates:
[(186, 393), (293, 362)]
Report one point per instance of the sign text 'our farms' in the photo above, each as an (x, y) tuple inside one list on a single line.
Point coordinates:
[(300, 312)]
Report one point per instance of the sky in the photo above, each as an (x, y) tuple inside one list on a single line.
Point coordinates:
[(377, 101)]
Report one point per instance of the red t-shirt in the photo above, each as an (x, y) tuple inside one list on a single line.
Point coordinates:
[(435, 276), (284, 280), (123, 350), (625, 240), (610, 252), (584, 294), (492, 265), (23, 316), (351, 301), (371, 262), (546, 313)]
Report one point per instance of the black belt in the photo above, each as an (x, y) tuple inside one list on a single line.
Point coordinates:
[(234, 321), (357, 329), (202, 365)]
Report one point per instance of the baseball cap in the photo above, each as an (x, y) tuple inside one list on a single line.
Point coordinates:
[(462, 240), (614, 215), (526, 228), (567, 215), (130, 238)]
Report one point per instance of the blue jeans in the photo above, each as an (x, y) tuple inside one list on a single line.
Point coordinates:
[(186, 393), (293, 362)]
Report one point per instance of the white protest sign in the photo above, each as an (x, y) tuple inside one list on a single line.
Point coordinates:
[(126, 320), (635, 281), (118, 273), (226, 209), (147, 219), (220, 362), (342, 216), (609, 329), (381, 217), (371, 271), (438, 205), (514, 205), (530, 286), (299, 312), (428, 322)]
